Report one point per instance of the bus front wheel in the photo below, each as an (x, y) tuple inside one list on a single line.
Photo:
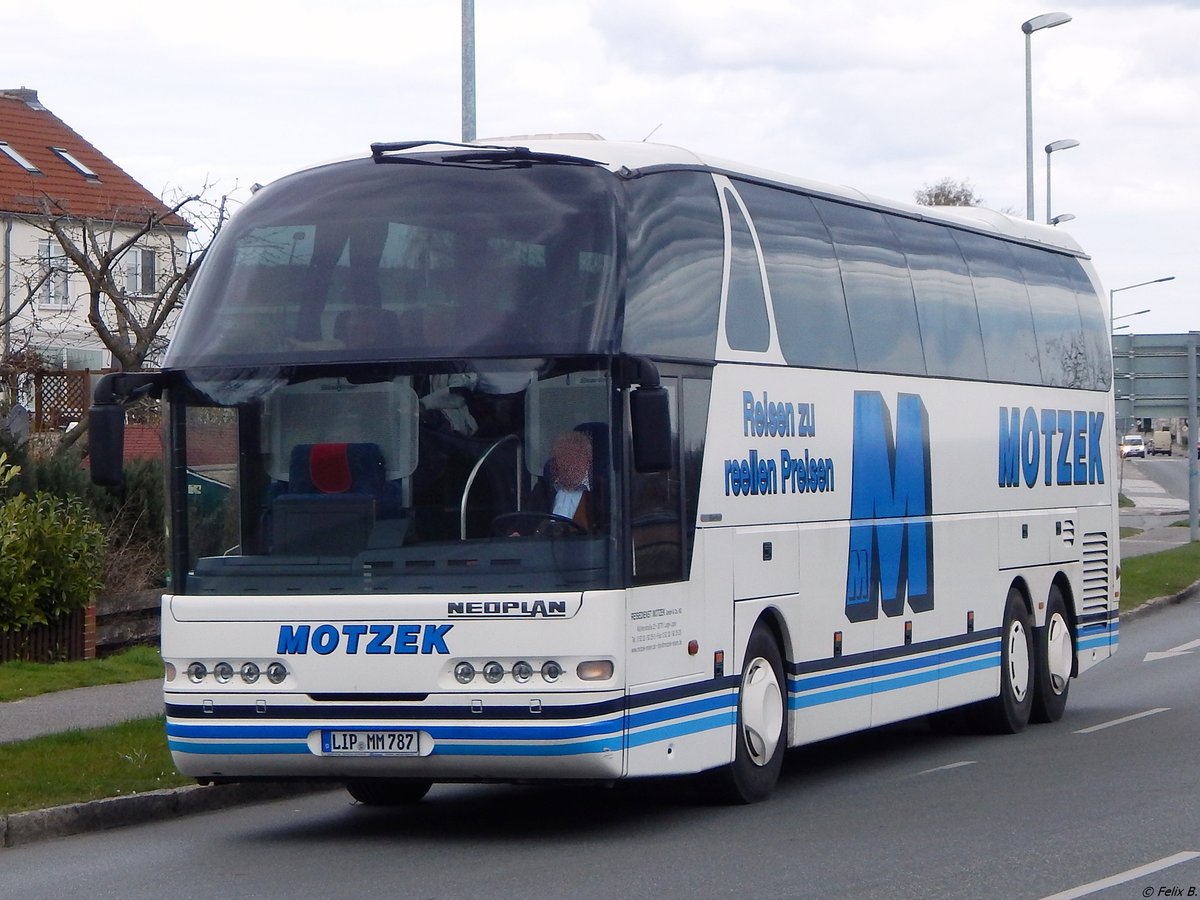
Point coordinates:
[(387, 792), (761, 729)]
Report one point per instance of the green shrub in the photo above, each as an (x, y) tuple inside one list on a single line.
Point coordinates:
[(51, 553)]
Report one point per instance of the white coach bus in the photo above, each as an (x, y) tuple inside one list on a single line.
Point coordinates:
[(578, 460)]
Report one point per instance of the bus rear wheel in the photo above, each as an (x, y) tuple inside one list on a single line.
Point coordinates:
[(761, 732), (1055, 657), (388, 792), (1009, 712)]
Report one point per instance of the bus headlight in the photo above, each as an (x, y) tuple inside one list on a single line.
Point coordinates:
[(250, 672), (196, 672), (595, 670), (464, 673), (551, 671), (522, 672), (493, 672), (276, 672)]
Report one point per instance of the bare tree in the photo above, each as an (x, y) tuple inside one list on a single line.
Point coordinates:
[(948, 192), (130, 302), (130, 320)]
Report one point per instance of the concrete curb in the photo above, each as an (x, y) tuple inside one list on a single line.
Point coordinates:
[(17, 829), (1188, 593)]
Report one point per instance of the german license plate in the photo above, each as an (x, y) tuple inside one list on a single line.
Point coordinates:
[(371, 743)]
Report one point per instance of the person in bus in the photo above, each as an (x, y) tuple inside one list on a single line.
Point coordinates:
[(568, 489)]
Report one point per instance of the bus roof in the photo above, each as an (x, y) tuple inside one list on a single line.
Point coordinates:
[(637, 157)]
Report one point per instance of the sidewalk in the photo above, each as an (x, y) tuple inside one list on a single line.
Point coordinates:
[(98, 707), (1158, 531), (89, 707)]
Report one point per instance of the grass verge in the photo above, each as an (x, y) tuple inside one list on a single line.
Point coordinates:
[(86, 765), (1158, 575), (23, 679)]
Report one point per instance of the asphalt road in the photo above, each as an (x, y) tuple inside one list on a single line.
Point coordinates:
[(1108, 793)]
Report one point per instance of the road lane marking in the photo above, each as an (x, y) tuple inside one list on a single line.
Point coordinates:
[(1128, 875), (1122, 721), (1181, 650), (957, 765)]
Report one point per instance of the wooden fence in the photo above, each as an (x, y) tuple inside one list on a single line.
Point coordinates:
[(109, 625), (68, 638)]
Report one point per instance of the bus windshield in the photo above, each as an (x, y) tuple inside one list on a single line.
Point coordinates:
[(364, 261), (473, 475)]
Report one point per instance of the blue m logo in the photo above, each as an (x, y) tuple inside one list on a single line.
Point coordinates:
[(891, 555)]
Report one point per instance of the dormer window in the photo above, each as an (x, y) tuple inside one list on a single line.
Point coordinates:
[(74, 163), (11, 152)]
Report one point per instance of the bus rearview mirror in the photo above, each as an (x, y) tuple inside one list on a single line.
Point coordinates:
[(106, 443), (650, 416)]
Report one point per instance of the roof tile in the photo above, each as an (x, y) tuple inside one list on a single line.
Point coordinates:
[(32, 130)]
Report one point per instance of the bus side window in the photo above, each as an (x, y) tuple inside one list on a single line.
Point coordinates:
[(746, 324), (656, 524), (676, 245)]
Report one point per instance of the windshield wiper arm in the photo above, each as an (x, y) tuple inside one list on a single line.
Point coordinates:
[(480, 154)]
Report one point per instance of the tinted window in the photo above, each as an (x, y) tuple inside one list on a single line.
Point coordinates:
[(806, 286), (676, 243), (879, 296), (1009, 342), (1094, 322), (945, 300), (746, 325), (1061, 346), (363, 262)]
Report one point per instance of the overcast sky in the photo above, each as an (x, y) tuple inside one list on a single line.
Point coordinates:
[(885, 96)]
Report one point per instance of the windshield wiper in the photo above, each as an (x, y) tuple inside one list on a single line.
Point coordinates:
[(474, 154)]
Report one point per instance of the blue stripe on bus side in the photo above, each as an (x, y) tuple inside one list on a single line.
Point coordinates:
[(672, 720), (239, 749), (800, 700)]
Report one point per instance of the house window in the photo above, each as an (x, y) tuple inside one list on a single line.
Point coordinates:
[(54, 271), (140, 271), (69, 159), (11, 152)]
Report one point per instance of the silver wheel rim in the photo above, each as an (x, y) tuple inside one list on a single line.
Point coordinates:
[(761, 711), (1018, 660), (1058, 652)]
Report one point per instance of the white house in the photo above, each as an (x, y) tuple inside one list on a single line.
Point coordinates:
[(49, 171)]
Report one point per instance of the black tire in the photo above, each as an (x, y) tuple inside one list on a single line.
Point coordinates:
[(388, 792), (1054, 658), (1008, 712), (761, 737)]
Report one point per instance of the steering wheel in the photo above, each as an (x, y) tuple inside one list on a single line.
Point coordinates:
[(532, 522)]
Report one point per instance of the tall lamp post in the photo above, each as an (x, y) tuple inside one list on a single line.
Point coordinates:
[(1130, 287), (468, 71), (1054, 147), (1037, 23)]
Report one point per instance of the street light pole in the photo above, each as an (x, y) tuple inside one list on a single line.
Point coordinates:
[(1037, 23), (468, 71), (1130, 287), (1053, 147)]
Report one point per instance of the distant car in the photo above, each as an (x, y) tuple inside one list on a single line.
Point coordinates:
[(1159, 443), (1133, 445)]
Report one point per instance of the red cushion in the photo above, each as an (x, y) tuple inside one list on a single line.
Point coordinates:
[(329, 468)]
